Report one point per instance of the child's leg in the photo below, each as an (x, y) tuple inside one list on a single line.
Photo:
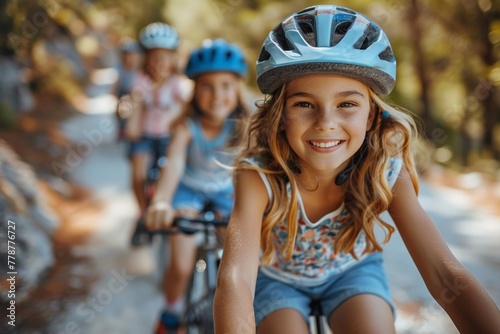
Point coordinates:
[(279, 307), (358, 300), (286, 320), (180, 268), (365, 313), (182, 247), (138, 166)]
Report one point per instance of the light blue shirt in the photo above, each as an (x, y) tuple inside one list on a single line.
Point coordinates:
[(208, 160)]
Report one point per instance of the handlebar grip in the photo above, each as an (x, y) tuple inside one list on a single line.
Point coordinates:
[(190, 225), (185, 225)]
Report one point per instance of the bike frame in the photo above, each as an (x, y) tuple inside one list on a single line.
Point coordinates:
[(199, 297), (317, 320)]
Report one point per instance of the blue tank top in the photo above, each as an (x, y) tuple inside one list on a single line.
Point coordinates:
[(207, 160)]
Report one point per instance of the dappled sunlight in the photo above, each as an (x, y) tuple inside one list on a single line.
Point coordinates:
[(105, 104), (104, 76)]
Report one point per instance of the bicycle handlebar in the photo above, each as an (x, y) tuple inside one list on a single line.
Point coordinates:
[(190, 225)]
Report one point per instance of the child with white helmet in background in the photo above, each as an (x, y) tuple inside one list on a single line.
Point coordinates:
[(157, 96)]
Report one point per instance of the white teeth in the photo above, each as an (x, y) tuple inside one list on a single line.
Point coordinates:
[(326, 145)]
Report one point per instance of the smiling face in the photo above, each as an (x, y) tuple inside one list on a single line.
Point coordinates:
[(160, 63), (217, 94), (326, 120)]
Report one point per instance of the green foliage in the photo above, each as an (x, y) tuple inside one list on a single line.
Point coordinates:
[(7, 117), (460, 42)]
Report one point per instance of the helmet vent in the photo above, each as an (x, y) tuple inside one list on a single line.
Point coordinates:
[(387, 55), (340, 30), (306, 24), (228, 55), (370, 35), (264, 55), (279, 37)]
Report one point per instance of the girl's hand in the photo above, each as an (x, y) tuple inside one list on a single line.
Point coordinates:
[(159, 215)]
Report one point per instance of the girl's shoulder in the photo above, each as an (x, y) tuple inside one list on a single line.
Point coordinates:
[(183, 127), (393, 170), (256, 163), (253, 161), (179, 85), (142, 81)]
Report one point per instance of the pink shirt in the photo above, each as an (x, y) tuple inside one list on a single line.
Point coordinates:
[(161, 106)]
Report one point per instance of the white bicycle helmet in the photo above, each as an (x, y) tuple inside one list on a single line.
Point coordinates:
[(159, 35), (327, 39)]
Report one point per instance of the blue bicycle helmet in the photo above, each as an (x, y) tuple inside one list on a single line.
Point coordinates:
[(159, 35), (130, 46), (327, 39), (214, 56)]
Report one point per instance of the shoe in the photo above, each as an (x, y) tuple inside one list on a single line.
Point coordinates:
[(141, 235), (169, 323)]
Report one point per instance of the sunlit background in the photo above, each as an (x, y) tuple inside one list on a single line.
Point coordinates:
[(447, 52), (58, 67)]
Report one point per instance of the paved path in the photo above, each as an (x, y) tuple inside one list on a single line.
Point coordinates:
[(125, 298)]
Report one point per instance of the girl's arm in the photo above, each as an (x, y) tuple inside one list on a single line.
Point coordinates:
[(160, 213), (233, 305), (459, 293), (133, 128)]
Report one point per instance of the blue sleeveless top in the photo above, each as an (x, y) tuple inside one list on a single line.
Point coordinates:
[(208, 160)]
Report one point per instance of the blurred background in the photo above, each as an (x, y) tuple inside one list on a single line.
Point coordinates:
[(64, 175)]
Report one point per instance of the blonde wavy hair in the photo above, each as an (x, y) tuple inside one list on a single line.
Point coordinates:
[(368, 193)]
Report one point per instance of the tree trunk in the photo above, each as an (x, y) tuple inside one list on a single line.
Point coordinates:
[(485, 90), (420, 66)]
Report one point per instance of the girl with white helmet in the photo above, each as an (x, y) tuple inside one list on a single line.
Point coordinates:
[(202, 148), (157, 98), (325, 157)]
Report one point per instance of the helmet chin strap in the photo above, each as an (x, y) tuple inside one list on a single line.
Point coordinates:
[(358, 158)]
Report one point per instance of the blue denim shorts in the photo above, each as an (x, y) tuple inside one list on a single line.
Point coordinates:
[(155, 146), (366, 277), (188, 198)]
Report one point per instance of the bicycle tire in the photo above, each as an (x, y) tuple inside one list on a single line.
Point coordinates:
[(161, 259)]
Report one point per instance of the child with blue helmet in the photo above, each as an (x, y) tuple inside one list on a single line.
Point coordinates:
[(325, 157), (202, 147)]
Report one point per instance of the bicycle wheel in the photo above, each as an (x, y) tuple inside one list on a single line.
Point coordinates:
[(199, 303), (161, 257)]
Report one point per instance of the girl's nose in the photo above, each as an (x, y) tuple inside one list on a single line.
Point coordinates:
[(326, 119), (217, 93)]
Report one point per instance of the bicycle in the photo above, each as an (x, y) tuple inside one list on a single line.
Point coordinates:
[(317, 320), (141, 236), (198, 311)]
